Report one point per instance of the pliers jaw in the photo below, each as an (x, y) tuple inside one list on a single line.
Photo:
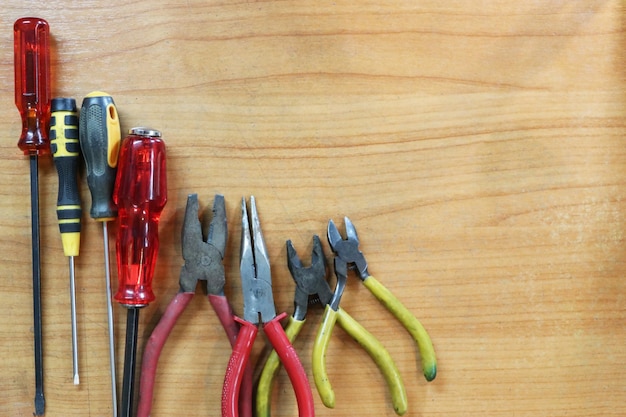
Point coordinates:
[(254, 267), (341, 272), (347, 250), (310, 281), (203, 258)]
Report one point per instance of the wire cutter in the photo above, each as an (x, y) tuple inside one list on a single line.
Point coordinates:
[(311, 289), (203, 262), (258, 300), (347, 253)]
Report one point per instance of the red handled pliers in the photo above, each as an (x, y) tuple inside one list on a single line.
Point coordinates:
[(258, 300), (203, 262)]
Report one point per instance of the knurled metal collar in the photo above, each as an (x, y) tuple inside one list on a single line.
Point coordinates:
[(145, 131)]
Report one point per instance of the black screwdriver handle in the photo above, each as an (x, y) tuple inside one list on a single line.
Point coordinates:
[(65, 149), (100, 137)]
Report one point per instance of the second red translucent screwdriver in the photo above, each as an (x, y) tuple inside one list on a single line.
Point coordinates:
[(140, 195)]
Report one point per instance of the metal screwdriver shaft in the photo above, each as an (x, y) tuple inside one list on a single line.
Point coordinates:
[(37, 327), (130, 358), (107, 275), (76, 378), (32, 98), (100, 137)]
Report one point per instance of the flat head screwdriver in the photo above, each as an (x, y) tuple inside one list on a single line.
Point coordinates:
[(100, 137), (140, 194), (32, 98), (66, 155)]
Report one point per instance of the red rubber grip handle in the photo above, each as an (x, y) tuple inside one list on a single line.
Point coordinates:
[(224, 313), (154, 347), (292, 364), (236, 367)]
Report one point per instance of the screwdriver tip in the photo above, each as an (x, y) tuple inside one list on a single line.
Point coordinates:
[(39, 403), (76, 379)]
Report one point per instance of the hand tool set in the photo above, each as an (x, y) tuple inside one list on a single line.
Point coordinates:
[(127, 182)]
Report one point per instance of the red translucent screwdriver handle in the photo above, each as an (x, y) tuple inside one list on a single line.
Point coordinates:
[(32, 83), (140, 194)]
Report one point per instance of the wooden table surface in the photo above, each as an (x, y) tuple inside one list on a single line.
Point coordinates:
[(477, 146)]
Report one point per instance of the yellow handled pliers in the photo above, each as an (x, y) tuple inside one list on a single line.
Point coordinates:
[(312, 288), (347, 253)]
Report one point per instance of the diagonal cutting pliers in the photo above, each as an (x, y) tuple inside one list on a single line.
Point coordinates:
[(203, 262), (347, 254), (256, 283), (312, 288)]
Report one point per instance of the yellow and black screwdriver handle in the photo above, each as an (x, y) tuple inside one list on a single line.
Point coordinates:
[(66, 153), (100, 138)]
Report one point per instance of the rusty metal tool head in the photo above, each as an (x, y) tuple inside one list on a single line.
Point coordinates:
[(254, 266), (311, 285), (347, 250), (203, 257)]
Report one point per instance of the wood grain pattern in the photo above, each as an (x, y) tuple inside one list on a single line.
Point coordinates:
[(476, 146)]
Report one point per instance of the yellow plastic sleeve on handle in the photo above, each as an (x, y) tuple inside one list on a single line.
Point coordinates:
[(272, 365), (115, 135), (97, 94), (324, 389), (71, 243), (410, 322), (380, 356), (112, 129), (61, 131)]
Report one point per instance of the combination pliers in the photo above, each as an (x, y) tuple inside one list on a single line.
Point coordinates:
[(203, 262), (256, 283), (312, 288)]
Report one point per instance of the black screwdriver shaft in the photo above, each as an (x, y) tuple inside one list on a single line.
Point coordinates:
[(34, 215), (130, 357)]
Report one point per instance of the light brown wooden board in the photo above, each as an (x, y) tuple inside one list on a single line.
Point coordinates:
[(477, 147)]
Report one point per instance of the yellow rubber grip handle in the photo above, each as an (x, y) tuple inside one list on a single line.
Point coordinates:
[(272, 365), (380, 356), (410, 322), (320, 346)]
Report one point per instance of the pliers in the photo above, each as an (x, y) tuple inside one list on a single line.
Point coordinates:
[(203, 262), (258, 300), (347, 254), (312, 288)]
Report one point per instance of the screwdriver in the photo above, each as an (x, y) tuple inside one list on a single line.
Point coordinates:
[(66, 152), (140, 194), (100, 141), (32, 98)]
